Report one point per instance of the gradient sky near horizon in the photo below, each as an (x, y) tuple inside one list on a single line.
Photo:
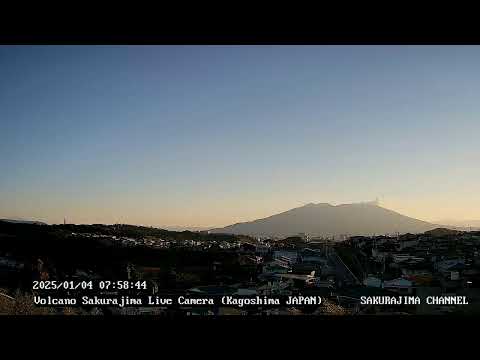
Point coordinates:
[(213, 135)]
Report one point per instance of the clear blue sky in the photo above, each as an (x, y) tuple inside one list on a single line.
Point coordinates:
[(211, 135)]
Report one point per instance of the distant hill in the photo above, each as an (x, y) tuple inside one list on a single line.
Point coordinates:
[(186, 228), (329, 220), (119, 230), (461, 224), (438, 232), (23, 221)]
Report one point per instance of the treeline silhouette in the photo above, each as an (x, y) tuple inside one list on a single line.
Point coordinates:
[(63, 253)]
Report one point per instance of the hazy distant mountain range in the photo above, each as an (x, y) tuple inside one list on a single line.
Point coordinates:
[(329, 220), (461, 223), (186, 228), (324, 220), (22, 221)]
